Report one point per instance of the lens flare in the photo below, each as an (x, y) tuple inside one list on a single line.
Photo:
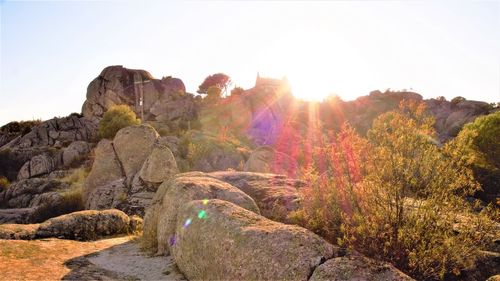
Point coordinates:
[(187, 222), (205, 201), (202, 214)]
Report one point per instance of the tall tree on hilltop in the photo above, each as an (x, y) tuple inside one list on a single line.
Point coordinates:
[(219, 80)]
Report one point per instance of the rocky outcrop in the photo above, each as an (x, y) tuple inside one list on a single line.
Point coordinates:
[(31, 193), (276, 195), (57, 131), (37, 166), (451, 116), (217, 246), (162, 99), (267, 160), (85, 225), (127, 171), (161, 217), (357, 267)]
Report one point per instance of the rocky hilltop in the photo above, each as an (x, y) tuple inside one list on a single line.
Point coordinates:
[(230, 161)]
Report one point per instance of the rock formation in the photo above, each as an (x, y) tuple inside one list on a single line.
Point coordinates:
[(152, 99), (161, 217), (127, 171)]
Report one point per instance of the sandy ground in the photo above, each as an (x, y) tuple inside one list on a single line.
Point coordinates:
[(107, 259)]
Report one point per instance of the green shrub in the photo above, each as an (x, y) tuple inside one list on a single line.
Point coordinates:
[(4, 183), (116, 118), (480, 146)]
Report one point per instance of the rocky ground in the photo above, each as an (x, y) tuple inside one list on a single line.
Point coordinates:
[(118, 258)]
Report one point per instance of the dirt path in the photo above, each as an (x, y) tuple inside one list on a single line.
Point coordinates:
[(107, 259)]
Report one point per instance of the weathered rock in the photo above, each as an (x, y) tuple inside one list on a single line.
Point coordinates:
[(37, 166), (159, 166), (64, 130), (106, 169), (133, 145), (161, 217), (30, 193), (218, 245), (267, 160), (76, 151), (118, 85), (85, 225), (15, 216), (276, 195), (357, 267), (106, 196)]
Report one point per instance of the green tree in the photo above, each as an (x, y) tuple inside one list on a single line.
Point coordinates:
[(237, 91), (219, 80), (479, 142), (116, 118)]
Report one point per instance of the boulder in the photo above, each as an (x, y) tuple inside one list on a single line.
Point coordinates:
[(357, 267), (37, 166), (276, 195), (76, 151), (161, 217), (31, 193), (15, 216), (106, 170), (85, 225), (228, 242), (106, 196), (133, 145), (267, 160), (159, 166)]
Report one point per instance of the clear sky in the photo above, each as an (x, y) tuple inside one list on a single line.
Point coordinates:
[(50, 51)]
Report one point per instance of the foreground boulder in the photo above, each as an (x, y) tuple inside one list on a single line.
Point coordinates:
[(161, 217), (357, 267), (231, 243), (85, 225)]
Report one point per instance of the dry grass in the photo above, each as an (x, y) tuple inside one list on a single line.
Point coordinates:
[(44, 259)]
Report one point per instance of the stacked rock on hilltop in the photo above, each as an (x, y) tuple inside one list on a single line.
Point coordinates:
[(152, 99)]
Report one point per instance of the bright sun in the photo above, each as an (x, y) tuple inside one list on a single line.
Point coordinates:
[(316, 65)]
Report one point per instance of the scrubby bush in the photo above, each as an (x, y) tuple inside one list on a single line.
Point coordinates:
[(116, 118), (4, 183), (401, 201), (21, 127)]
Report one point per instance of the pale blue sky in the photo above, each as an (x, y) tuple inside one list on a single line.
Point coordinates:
[(50, 51)]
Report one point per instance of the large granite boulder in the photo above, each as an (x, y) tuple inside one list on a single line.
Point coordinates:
[(85, 225), (133, 145), (161, 217), (357, 267), (106, 170), (75, 152), (276, 195), (218, 240), (267, 160), (159, 166), (37, 166)]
